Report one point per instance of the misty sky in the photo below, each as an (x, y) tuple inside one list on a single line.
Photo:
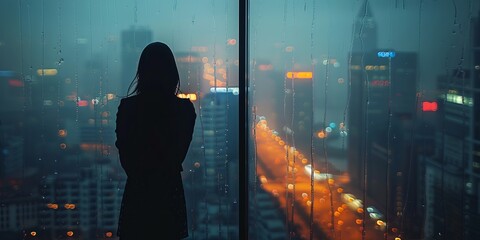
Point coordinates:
[(36, 34)]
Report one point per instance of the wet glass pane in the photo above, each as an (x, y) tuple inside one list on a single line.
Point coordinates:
[(364, 119), (64, 67)]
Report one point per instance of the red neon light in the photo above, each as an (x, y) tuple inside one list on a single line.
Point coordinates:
[(82, 103), (380, 83), (429, 106), (15, 83)]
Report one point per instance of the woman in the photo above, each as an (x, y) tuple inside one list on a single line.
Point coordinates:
[(154, 131)]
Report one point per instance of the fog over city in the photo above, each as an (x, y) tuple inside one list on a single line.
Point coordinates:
[(71, 34)]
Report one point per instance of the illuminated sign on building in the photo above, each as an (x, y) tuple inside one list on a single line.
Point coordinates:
[(459, 99), (191, 96), (233, 90), (429, 106), (299, 75), (82, 103), (389, 54), (380, 83), (15, 83), (375, 67), (7, 73), (47, 72)]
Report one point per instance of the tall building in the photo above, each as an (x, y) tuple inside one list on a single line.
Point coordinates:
[(365, 30), (11, 142), (133, 41), (80, 205), (217, 211), (190, 70), (298, 109), (89, 205), (267, 222), (11, 92), (381, 119), (452, 185)]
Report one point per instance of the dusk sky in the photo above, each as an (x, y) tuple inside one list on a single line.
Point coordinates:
[(80, 31)]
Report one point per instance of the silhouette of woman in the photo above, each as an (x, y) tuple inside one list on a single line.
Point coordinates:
[(154, 131)]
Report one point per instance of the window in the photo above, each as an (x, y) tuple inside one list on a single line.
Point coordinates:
[(361, 116)]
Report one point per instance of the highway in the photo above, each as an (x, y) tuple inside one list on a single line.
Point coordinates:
[(285, 173)]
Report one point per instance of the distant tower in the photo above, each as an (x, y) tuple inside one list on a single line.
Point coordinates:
[(381, 115), (133, 41), (190, 70), (356, 119), (365, 30)]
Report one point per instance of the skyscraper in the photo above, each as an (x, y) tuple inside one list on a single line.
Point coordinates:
[(190, 70), (218, 209), (452, 190), (364, 30), (133, 41), (381, 120)]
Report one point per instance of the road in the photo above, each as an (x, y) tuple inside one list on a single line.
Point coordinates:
[(291, 183)]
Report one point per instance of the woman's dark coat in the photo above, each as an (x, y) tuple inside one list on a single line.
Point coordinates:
[(153, 137)]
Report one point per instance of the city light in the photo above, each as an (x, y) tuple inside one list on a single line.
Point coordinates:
[(374, 213), (82, 103), (352, 202), (217, 83), (47, 72), (316, 174), (52, 205), (380, 83), (459, 99), (231, 41), (191, 96), (299, 75), (263, 179), (265, 67), (208, 77), (389, 54), (15, 83), (110, 96), (62, 133), (69, 206), (6, 73), (321, 134), (429, 106), (375, 67), (233, 90)]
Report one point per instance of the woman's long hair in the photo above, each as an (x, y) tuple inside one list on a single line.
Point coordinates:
[(157, 72)]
